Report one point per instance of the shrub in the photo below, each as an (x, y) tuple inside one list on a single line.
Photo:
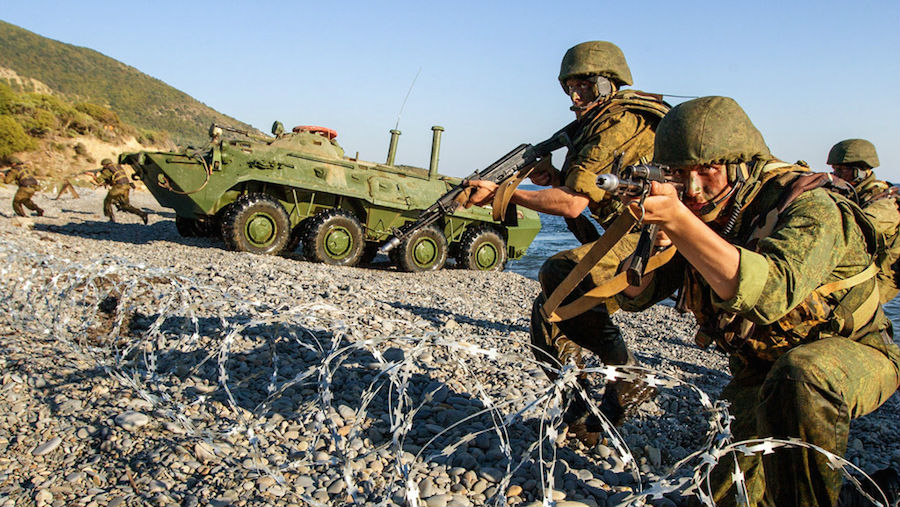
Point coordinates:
[(39, 123), (80, 149), (13, 137), (103, 115)]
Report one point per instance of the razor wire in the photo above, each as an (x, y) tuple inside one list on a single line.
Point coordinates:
[(171, 341)]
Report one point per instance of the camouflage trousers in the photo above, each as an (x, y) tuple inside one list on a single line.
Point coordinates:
[(118, 196), (811, 392), (23, 198), (559, 343)]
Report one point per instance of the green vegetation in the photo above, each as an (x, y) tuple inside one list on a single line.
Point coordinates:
[(109, 97)]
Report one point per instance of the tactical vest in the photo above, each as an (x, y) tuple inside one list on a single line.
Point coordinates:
[(845, 307), (24, 177), (651, 106), (117, 176)]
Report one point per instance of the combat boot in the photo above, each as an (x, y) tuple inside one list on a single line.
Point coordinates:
[(144, 217), (582, 423), (40, 212)]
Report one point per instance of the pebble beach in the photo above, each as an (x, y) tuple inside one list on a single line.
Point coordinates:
[(138, 367)]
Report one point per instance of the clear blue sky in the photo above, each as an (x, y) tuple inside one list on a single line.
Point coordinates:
[(809, 73)]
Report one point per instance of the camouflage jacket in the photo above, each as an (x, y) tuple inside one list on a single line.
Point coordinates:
[(21, 175), (879, 201), (819, 238), (624, 124), (113, 176)]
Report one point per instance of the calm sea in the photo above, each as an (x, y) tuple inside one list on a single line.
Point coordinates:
[(554, 237)]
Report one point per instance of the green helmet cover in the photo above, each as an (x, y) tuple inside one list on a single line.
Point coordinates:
[(708, 130), (14, 161), (106, 161), (853, 152), (595, 58)]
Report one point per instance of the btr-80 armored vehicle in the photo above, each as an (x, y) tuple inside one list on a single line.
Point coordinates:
[(268, 195)]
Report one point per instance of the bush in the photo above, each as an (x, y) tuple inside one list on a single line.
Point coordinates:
[(13, 137), (39, 123), (7, 97), (103, 115), (80, 149)]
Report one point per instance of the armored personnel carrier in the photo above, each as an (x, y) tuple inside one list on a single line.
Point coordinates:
[(269, 195)]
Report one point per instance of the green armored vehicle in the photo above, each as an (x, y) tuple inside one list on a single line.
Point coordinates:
[(269, 195)]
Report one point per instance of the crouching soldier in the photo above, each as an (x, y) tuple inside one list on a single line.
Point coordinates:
[(28, 185), (779, 272), (115, 177)]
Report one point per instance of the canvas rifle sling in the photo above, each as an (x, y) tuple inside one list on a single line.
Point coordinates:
[(553, 312), (505, 191)]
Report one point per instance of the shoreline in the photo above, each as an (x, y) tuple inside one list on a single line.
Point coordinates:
[(225, 378)]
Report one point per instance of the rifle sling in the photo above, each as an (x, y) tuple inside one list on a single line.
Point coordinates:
[(598, 295), (505, 192), (619, 228)]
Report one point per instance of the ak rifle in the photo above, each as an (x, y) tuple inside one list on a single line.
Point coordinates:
[(631, 182), (521, 158)]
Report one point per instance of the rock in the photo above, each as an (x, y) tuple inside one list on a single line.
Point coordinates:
[(132, 420), (47, 447)]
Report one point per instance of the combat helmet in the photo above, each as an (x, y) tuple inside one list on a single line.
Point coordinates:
[(853, 152), (595, 58), (14, 161), (713, 130), (106, 162)]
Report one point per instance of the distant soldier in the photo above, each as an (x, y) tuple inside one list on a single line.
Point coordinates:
[(852, 160), (114, 176), (28, 185)]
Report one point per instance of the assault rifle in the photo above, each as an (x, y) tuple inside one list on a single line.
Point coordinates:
[(634, 181), (521, 158)]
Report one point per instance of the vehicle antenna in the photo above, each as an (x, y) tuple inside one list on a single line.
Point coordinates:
[(396, 127)]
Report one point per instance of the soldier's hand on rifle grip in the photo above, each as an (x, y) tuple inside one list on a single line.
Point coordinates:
[(661, 206), (544, 174)]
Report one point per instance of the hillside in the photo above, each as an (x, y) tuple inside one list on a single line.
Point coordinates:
[(32, 63)]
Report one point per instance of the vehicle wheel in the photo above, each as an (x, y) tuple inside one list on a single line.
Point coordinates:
[(186, 227), (334, 237), (482, 249), (370, 251), (424, 250), (296, 238), (256, 223)]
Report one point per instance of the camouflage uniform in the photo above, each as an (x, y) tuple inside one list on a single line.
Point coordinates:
[(28, 185), (116, 178), (619, 128), (879, 201), (804, 363), (622, 124), (855, 159)]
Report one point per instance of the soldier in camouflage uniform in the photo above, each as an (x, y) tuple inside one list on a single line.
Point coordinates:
[(114, 176), (779, 272), (615, 123), (852, 160), (28, 185)]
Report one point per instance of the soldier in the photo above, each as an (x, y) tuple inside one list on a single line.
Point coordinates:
[(852, 160), (28, 185), (616, 123), (115, 177), (778, 271)]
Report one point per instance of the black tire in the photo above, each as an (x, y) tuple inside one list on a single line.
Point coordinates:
[(186, 227), (370, 251), (296, 238), (424, 250), (482, 249), (334, 237), (256, 223)]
